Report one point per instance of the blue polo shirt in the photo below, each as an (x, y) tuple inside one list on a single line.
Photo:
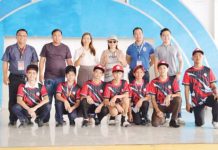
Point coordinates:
[(12, 55), (140, 53)]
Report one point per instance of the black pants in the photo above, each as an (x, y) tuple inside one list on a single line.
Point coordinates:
[(15, 81), (143, 113), (131, 77), (88, 109), (199, 111)]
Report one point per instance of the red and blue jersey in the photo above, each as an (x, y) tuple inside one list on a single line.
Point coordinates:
[(199, 81), (160, 89), (69, 93), (31, 95)]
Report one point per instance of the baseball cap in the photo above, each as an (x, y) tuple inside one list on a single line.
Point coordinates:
[(113, 37), (139, 67), (162, 62), (197, 50), (99, 67), (117, 68)]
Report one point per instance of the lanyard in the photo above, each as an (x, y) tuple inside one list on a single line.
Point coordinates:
[(69, 91), (21, 50), (139, 49)]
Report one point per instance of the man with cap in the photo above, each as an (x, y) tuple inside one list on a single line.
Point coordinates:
[(139, 53), (199, 81), (92, 97), (116, 96), (165, 96), (111, 57), (139, 97), (68, 97)]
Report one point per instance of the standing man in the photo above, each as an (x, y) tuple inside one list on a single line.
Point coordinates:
[(53, 59), (171, 55), (139, 53), (199, 81), (15, 60)]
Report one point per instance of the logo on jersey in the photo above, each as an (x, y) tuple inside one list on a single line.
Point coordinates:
[(144, 49)]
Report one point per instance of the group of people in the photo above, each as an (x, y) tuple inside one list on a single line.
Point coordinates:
[(87, 95)]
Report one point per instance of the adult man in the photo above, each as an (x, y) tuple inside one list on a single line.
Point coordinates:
[(16, 59), (165, 96), (171, 55), (139, 53), (200, 81), (54, 57)]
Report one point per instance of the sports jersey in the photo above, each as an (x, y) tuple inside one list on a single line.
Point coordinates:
[(111, 90), (137, 91), (31, 95), (199, 81), (70, 93), (95, 91), (163, 88)]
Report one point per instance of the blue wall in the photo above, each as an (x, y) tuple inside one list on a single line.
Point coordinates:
[(107, 17)]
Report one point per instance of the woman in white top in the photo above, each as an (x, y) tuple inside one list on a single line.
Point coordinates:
[(85, 57), (111, 57)]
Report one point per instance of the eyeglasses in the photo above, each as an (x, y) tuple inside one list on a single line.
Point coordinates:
[(112, 41)]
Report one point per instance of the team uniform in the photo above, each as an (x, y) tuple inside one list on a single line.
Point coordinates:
[(199, 81), (160, 90), (31, 97), (137, 92), (95, 91), (71, 94)]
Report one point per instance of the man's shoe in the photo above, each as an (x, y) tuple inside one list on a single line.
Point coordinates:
[(85, 123), (72, 123), (97, 121), (12, 123), (112, 121), (215, 125), (173, 124), (59, 124), (39, 122), (180, 121), (23, 124), (124, 122)]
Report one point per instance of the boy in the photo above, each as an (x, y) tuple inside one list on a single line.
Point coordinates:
[(68, 98), (116, 96), (32, 99), (139, 97), (165, 96), (92, 97)]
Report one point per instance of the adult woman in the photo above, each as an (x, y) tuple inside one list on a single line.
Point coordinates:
[(85, 57), (111, 57)]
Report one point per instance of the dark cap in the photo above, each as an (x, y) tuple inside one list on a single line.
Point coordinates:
[(117, 68), (197, 50), (99, 67), (162, 63)]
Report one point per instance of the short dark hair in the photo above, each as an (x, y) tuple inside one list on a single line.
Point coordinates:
[(70, 68), (56, 30), (32, 67), (21, 30), (136, 28), (163, 30)]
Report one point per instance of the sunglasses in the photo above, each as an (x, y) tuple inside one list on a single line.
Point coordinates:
[(112, 41)]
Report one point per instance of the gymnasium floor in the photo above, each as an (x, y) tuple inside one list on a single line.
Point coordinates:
[(110, 137)]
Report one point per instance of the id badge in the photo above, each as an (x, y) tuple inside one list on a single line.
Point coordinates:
[(20, 65), (139, 62)]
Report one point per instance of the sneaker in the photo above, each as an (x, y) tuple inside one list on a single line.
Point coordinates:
[(59, 124), (39, 122), (180, 121), (23, 124), (173, 124), (215, 125), (112, 121), (12, 123), (124, 122), (85, 123), (97, 121), (72, 123), (145, 121)]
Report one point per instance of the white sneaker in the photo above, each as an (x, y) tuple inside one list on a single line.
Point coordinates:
[(126, 124), (180, 121), (112, 122), (215, 125)]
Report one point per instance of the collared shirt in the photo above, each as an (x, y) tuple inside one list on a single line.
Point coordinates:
[(13, 55), (170, 55), (140, 53)]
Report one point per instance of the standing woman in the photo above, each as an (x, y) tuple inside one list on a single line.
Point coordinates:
[(86, 58), (111, 57)]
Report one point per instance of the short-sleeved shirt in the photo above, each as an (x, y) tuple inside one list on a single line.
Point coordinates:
[(140, 53), (160, 89), (12, 55), (95, 91), (71, 94), (32, 95), (111, 90), (137, 91), (199, 81), (170, 55), (55, 60)]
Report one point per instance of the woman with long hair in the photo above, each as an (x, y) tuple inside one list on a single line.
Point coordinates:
[(85, 57)]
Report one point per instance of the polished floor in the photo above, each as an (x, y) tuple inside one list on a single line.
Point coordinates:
[(49, 135)]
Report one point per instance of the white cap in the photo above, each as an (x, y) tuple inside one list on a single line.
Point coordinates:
[(113, 37)]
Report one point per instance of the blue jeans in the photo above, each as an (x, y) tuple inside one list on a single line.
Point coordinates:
[(60, 110), (51, 85)]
